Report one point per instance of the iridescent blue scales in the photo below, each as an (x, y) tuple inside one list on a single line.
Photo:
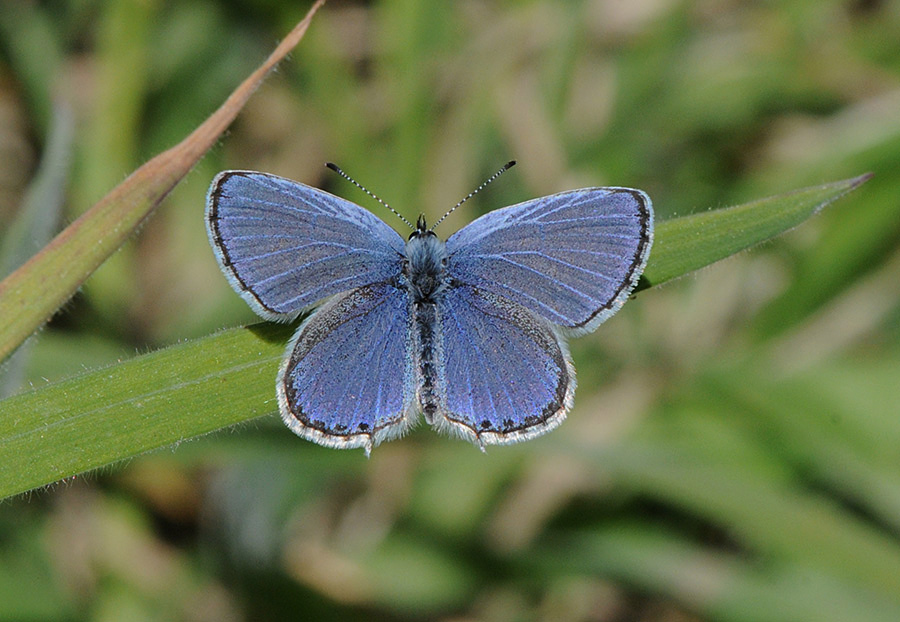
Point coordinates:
[(469, 333)]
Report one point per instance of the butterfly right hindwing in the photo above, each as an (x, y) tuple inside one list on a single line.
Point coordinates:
[(504, 373)]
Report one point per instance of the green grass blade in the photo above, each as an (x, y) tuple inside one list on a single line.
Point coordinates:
[(37, 220), (689, 243), (779, 519), (151, 401), (31, 294), (193, 388)]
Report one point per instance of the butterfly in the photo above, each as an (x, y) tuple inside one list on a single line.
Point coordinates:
[(469, 332)]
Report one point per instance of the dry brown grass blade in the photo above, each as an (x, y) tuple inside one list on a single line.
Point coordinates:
[(32, 294)]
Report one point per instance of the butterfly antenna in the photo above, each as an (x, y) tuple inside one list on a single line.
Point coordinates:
[(505, 168), (337, 170)]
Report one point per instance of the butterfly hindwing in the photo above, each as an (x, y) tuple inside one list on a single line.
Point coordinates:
[(284, 245), (573, 257), (347, 379), (504, 373)]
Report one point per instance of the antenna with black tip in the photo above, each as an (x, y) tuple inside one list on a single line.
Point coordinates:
[(505, 168), (337, 170)]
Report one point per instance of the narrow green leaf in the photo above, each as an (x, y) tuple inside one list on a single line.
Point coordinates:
[(31, 294), (149, 402), (689, 243), (37, 220), (190, 389)]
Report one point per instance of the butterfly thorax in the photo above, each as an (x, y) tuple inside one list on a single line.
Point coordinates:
[(426, 257)]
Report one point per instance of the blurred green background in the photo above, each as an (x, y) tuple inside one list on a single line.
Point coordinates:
[(734, 452)]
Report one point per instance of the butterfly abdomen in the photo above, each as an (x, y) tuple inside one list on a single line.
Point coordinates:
[(426, 345)]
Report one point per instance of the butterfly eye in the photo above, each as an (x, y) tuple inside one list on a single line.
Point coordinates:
[(422, 233)]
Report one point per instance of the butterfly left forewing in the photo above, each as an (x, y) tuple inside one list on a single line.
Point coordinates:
[(503, 373)]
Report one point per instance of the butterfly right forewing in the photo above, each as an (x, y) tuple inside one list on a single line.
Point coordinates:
[(571, 257)]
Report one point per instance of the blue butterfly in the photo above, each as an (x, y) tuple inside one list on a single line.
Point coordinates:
[(471, 332)]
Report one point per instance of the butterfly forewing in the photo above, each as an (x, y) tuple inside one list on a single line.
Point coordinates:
[(572, 257), (285, 245)]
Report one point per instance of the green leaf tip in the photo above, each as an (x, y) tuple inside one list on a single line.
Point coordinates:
[(689, 243)]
